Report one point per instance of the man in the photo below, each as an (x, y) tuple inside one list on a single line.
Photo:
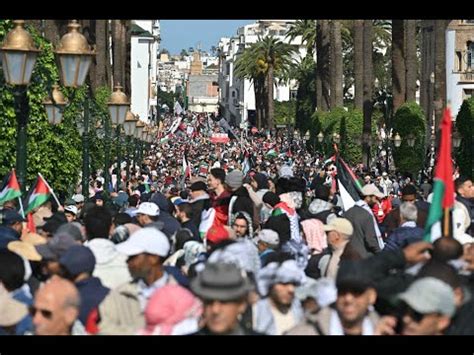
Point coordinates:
[(240, 200), (53, 223), (257, 188), (52, 251), (132, 206), (408, 232), (242, 225), (79, 199), (428, 307), (320, 208), (351, 314), (392, 221), (147, 213), (170, 224), (465, 195), (111, 267), (366, 239), (70, 212), (279, 310), (223, 289), (12, 313), (221, 197), (386, 184), (200, 201), (184, 214), (11, 228), (77, 265), (56, 308), (122, 311), (425, 188), (339, 232), (267, 242)]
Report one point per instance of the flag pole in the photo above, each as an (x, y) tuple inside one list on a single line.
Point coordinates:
[(21, 207), (446, 223), (50, 189)]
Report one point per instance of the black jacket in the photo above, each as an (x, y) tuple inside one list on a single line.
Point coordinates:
[(7, 235), (92, 293), (243, 202), (364, 238), (239, 331), (470, 208)]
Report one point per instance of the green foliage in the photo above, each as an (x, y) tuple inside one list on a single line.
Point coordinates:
[(465, 127), (409, 118), (348, 124), (53, 151), (285, 112), (306, 94)]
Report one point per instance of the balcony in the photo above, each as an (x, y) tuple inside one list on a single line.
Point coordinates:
[(467, 77)]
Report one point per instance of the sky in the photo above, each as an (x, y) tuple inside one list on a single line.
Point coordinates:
[(179, 34)]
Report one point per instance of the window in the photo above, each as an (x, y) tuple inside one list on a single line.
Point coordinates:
[(470, 55), (293, 94), (471, 22)]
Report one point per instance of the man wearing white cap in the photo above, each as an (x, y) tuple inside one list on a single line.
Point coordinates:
[(71, 213), (147, 213), (122, 311), (267, 242), (339, 232), (366, 238)]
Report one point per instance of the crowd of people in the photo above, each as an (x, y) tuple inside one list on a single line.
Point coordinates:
[(248, 237)]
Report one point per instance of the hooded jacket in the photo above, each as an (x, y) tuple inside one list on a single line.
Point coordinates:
[(111, 266), (241, 202), (170, 224)]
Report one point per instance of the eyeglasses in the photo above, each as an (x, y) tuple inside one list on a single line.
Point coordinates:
[(44, 312)]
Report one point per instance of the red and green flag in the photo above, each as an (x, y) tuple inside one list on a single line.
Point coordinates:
[(38, 194), (10, 188), (443, 186)]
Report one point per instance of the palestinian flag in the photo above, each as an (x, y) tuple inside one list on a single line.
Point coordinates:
[(350, 188), (271, 153), (443, 186), (147, 187), (37, 195), (10, 188), (186, 167)]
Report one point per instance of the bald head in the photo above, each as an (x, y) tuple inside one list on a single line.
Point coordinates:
[(56, 307)]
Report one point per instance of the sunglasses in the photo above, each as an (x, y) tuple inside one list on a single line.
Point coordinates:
[(44, 312), (416, 316)]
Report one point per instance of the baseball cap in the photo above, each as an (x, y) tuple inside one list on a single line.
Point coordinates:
[(268, 236), (149, 208), (340, 225), (11, 216), (72, 209), (371, 189), (430, 295), (78, 198), (146, 240), (78, 259)]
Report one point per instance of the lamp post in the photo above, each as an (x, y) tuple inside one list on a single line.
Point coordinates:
[(140, 126), (118, 108), (19, 57), (74, 56), (129, 128), (55, 105)]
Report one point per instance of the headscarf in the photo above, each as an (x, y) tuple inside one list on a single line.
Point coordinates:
[(192, 249), (172, 310), (242, 253), (315, 235), (247, 218), (273, 273)]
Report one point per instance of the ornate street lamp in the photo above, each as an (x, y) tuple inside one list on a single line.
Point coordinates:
[(55, 105), (118, 106), (336, 138), (320, 137), (456, 139), (411, 140), (129, 127), (74, 56), (397, 141), (19, 54)]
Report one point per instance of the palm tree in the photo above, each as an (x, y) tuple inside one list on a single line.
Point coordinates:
[(277, 58), (398, 63), (322, 65), (411, 60), (261, 63), (336, 64), (368, 86), (358, 63), (307, 30), (440, 69)]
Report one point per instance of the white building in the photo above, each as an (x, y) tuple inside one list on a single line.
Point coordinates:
[(459, 63), (237, 97), (145, 43)]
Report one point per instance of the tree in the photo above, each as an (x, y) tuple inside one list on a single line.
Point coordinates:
[(359, 63), (368, 87), (336, 64), (440, 69), (262, 63), (398, 63), (183, 53), (409, 119), (322, 64), (465, 126), (411, 59)]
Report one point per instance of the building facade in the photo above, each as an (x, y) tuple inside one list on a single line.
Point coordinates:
[(145, 44), (459, 63), (237, 96)]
